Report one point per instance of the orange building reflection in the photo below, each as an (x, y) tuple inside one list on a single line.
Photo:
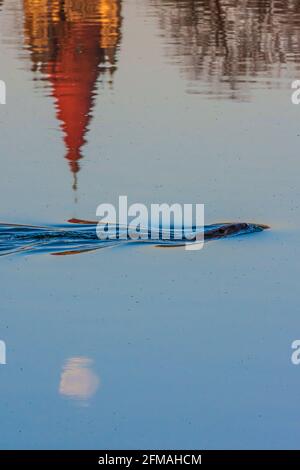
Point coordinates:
[(71, 43)]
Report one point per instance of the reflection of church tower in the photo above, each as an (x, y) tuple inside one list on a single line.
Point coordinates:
[(71, 42)]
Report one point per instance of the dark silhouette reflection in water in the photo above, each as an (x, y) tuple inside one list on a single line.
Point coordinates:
[(230, 43), (71, 43)]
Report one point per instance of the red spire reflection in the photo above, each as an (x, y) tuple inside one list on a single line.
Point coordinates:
[(69, 41), (73, 75)]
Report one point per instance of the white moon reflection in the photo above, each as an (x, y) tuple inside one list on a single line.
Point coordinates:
[(78, 381)]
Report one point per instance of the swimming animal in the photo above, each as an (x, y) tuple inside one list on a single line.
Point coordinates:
[(79, 236)]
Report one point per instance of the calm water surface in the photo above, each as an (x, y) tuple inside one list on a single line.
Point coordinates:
[(164, 101)]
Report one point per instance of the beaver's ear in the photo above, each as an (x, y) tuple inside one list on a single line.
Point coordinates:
[(81, 221)]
